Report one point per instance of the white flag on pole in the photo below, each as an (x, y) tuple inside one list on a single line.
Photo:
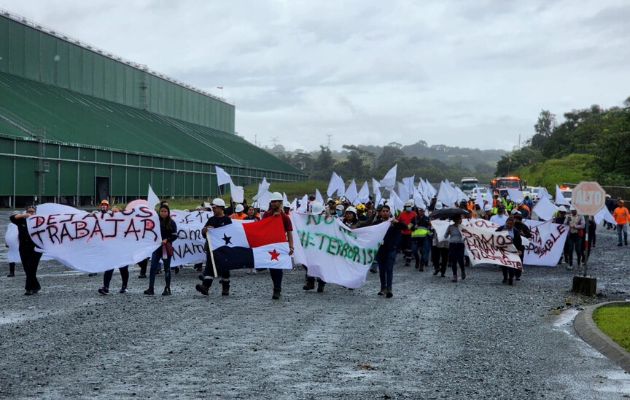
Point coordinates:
[(351, 192), (222, 176), (544, 209), (389, 180), (318, 196), (364, 194), (560, 199)]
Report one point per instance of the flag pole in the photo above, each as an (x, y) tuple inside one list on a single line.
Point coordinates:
[(214, 266)]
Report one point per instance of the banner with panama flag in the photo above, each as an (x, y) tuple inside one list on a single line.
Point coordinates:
[(261, 244)]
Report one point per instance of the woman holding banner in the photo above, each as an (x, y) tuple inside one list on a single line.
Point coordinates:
[(28, 255), (456, 247), (168, 233)]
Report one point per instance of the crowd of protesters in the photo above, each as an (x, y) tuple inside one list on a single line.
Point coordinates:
[(410, 234)]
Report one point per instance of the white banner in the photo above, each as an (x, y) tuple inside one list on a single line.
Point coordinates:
[(13, 243), (487, 246), (333, 252), (546, 244), (188, 248), (96, 242)]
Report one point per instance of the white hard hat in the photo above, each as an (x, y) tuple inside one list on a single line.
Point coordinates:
[(562, 209), (438, 205), (239, 208), (286, 204), (516, 212), (317, 207), (340, 207), (218, 202), (276, 196), (572, 208), (409, 203), (352, 210)]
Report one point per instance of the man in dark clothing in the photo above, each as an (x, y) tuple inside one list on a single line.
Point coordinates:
[(508, 273), (28, 255), (421, 239), (218, 220), (386, 255)]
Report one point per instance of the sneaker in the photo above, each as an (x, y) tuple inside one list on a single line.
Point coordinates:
[(389, 294), (382, 292), (28, 293), (202, 289), (276, 294), (10, 275), (309, 285), (104, 291), (123, 290), (167, 291), (149, 292), (142, 276)]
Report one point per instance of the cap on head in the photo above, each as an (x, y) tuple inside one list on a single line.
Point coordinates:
[(276, 196), (104, 202), (352, 210), (286, 204), (340, 207), (218, 202), (239, 208)]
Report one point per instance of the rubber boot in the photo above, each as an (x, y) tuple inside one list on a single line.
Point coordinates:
[(225, 284)]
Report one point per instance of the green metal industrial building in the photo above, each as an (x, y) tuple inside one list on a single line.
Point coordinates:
[(78, 124)]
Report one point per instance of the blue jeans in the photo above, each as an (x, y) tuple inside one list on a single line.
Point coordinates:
[(386, 268), (155, 265), (421, 249), (622, 229)]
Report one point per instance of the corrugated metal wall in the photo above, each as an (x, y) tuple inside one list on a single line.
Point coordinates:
[(54, 170), (37, 55)]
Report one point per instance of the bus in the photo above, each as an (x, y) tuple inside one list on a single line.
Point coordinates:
[(501, 184)]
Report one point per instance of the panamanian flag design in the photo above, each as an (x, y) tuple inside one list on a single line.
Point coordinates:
[(260, 244)]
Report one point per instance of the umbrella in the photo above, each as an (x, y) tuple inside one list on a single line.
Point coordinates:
[(449, 213)]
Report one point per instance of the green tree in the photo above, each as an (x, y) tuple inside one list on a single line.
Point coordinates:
[(323, 164)]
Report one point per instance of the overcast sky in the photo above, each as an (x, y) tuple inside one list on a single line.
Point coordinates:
[(468, 73)]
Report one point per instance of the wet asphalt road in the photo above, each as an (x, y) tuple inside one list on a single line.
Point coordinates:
[(476, 339)]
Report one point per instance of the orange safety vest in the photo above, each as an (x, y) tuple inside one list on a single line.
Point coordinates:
[(621, 215)]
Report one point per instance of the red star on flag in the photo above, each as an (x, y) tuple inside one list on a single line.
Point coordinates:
[(274, 255)]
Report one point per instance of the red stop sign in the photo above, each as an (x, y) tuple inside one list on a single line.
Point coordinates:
[(588, 198)]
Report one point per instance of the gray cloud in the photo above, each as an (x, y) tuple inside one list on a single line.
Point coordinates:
[(452, 72)]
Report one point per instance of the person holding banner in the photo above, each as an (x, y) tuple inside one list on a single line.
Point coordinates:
[(509, 273), (28, 255), (124, 271), (421, 239), (275, 211), (168, 233), (218, 220), (386, 255), (456, 247), (575, 239), (315, 208)]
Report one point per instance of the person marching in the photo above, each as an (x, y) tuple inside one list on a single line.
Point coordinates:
[(168, 233), (218, 220), (124, 271), (386, 254), (509, 273), (239, 212), (406, 217), (316, 208), (455, 247), (575, 239), (622, 218), (421, 239), (275, 211), (28, 255)]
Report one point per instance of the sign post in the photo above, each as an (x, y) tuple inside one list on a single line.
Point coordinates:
[(588, 198)]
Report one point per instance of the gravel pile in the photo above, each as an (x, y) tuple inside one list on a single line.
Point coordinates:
[(434, 340)]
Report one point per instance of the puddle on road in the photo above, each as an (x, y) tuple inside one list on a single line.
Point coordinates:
[(564, 321), (614, 381)]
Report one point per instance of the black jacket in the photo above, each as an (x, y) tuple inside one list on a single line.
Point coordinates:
[(516, 239), (26, 243)]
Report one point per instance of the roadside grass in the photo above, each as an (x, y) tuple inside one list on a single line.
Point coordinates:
[(614, 321)]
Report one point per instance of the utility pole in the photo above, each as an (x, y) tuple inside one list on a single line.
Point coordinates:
[(329, 136)]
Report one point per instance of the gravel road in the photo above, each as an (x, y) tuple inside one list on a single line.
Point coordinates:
[(476, 339)]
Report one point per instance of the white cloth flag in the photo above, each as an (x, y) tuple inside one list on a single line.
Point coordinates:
[(604, 215), (378, 198), (544, 193), (402, 192), (96, 242), (545, 209), (263, 187), (376, 185), (479, 200), (188, 248), (430, 189), (364, 194), (152, 198), (333, 252), (487, 246), (263, 201), (546, 245), (408, 182), (418, 200), (304, 204), (222, 176), (440, 227), (395, 203), (318, 196), (389, 180), (560, 199), (237, 193), (336, 184), (447, 195), (351, 192), (516, 195)]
